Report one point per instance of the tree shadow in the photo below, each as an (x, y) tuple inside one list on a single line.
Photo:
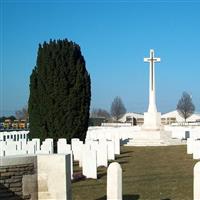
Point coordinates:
[(131, 197), (125, 197), (100, 175), (125, 152), (123, 157), (6, 193), (78, 176), (76, 163), (102, 198), (122, 162)]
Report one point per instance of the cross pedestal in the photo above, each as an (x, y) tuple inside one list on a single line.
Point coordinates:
[(152, 121)]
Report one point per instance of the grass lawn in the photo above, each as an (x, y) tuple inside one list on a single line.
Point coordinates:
[(149, 173)]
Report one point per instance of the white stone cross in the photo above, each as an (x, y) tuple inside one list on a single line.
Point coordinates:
[(152, 99)]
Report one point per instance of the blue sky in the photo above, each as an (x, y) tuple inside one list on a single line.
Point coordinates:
[(114, 37)]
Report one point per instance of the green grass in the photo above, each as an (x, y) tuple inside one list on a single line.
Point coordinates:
[(149, 173)]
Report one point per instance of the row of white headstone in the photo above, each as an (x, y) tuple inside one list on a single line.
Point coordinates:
[(183, 132), (125, 133), (91, 155), (14, 135), (94, 153), (12, 148), (95, 133)]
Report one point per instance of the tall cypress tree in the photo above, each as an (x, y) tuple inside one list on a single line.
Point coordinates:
[(60, 92)]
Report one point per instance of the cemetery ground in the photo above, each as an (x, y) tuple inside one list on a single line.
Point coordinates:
[(149, 173)]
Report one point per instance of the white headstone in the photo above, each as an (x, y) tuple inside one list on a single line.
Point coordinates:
[(61, 146), (117, 145), (196, 181), (89, 163), (31, 147), (62, 140), (53, 175), (196, 150), (114, 182), (94, 144), (2, 148), (37, 142), (76, 148), (111, 150), (10, 148), (190, 145), (46, 147), (64, 148), (102, 155), (23, 144)]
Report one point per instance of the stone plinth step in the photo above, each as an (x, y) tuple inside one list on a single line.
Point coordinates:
[(153, 138), (146, 143), (155, 142)]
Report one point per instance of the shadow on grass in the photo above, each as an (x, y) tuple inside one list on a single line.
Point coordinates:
[(76, 163), (78, 176), (122, 162), (125, 152), (131, 197), (77, 171), (100, 175), (123, 157), (125, 197)]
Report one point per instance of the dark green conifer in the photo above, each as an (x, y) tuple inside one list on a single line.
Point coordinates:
[(60, 92)]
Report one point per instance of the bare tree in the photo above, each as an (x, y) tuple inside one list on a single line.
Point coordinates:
[(185, 107), (117, 108), (98, 112), (22, 114)]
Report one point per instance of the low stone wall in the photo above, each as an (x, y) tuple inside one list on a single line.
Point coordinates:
[(12, 172)]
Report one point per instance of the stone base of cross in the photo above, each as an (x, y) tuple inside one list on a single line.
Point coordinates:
[(152, 121)]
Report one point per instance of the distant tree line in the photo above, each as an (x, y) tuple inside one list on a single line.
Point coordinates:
[(3, 118), (21, 114), (117, 110)]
